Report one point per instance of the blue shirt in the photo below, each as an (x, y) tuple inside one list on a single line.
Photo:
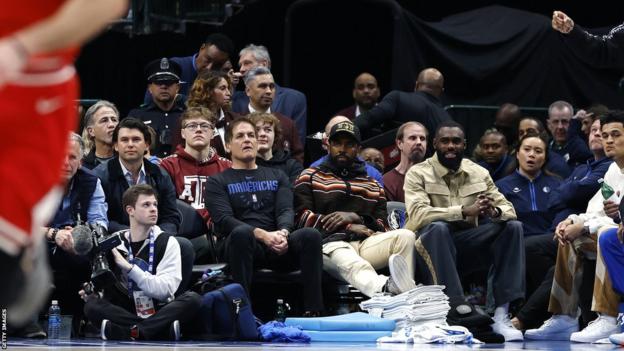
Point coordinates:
[(575, 151), (497, 171), (96, 213), (370, 170), (530, 200), (128, 175), (575, 191)]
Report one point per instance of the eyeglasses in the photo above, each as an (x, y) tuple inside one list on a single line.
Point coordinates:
[(204, 126)]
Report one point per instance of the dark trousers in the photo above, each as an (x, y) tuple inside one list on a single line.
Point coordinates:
[(156, 327), (498, 247), (541, 254), (244, 254)]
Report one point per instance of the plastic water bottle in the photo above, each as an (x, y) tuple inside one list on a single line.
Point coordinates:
[(282, 309), (54, 322)]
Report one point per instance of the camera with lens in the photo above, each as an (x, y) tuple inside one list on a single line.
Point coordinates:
[(103, 243), (94, 241)]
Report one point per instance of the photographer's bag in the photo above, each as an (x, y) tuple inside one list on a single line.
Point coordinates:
[(226, 313)]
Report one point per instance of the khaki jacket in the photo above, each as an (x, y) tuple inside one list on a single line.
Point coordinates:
[(434, 193)]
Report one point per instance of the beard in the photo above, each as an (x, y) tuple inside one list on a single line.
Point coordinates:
[(417, 156), (450, 163), (345, 162)]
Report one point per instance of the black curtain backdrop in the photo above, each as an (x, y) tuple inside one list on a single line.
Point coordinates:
[(489, 55), (497, 54)]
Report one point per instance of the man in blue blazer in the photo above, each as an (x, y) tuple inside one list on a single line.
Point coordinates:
[(289, 102)]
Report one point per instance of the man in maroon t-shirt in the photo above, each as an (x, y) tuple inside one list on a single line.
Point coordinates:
[(411, 140)]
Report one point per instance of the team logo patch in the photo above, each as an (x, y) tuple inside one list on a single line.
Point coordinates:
[(546, 189), (516, 190)]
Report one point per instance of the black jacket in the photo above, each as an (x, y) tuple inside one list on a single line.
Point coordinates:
[(400, 106), (165, 123), (115, 183), (281, 160)]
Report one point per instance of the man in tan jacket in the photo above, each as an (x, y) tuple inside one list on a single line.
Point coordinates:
[(446, 198)]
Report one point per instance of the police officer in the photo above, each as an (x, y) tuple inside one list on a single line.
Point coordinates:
[(163, 112)]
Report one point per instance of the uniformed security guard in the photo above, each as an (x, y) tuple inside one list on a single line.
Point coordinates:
[(164, 111)]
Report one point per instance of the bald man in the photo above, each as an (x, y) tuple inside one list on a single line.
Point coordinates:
[(422, 105), (370, 170), (365, 96), (506, 121)]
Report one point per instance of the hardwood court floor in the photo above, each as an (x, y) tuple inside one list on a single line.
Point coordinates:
[(94, 344)]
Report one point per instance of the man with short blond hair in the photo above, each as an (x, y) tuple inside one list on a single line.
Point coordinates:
[(191, 165), (411, 141)]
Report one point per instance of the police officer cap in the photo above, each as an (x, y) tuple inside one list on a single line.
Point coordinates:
[(162, 70)]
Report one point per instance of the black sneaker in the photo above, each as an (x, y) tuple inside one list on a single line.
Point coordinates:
[(174, 331), (112, 331), (463, 313), (487, 335)]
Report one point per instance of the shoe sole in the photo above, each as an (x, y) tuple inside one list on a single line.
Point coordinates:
[(176, 331), (561, 336), (617, 340), (590, 340), (517, 338), (398, 272), (103, 328)]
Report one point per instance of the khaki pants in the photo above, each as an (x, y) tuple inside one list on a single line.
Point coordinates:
[(564, 298), (356, 261)]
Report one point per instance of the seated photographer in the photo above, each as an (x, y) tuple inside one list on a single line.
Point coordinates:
[(141, 304), (84, 200)]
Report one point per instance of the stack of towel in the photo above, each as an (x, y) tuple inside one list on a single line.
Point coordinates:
[(420, 316), (425, 304)]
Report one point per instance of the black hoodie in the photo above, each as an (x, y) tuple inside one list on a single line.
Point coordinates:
[(282, 160)]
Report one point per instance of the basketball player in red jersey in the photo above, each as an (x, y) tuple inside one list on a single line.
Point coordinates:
[(38, 86)]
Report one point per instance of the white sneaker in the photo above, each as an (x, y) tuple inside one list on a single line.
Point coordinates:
[(399, 280), (599, 328), (557, 327), (502, 325), (617, 339)]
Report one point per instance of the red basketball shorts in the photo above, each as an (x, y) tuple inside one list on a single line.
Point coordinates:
[(37, 111)]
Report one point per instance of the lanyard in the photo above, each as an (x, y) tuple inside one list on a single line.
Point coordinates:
[(150, 259)]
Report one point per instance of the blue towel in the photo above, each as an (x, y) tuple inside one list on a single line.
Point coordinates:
[(347, 336), (279, 332), (357, 321)]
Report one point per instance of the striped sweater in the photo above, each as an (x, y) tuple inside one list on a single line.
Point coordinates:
[(319, 192)]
